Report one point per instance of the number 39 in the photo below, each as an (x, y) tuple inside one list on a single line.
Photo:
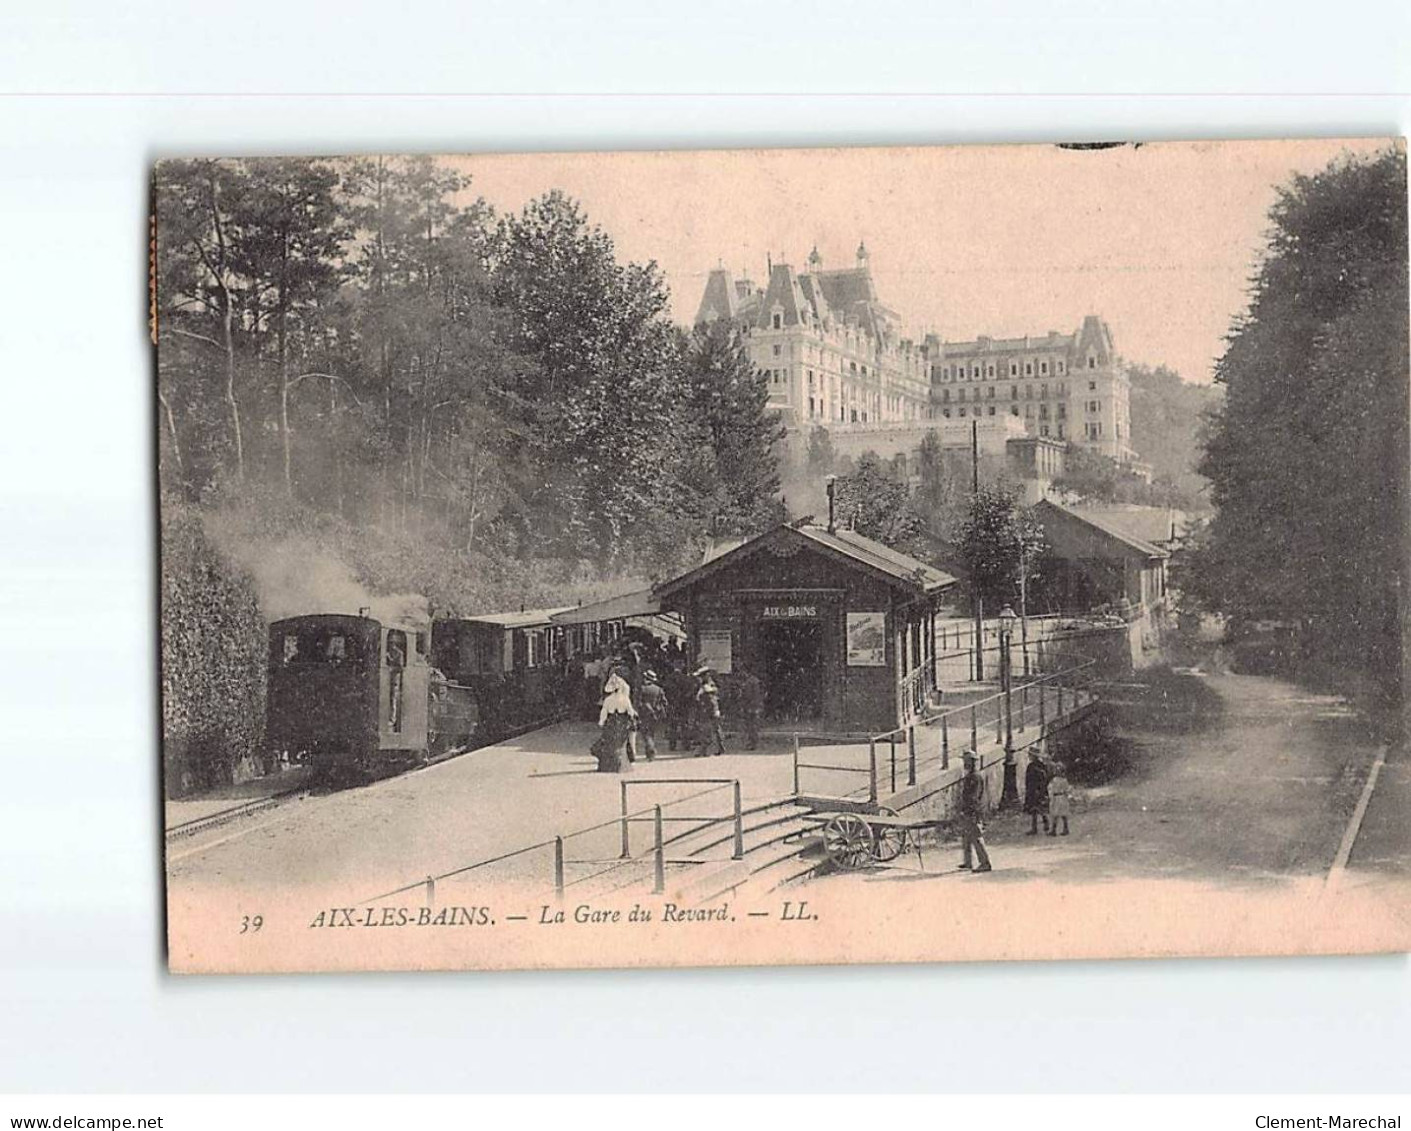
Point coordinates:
[(251, 923)]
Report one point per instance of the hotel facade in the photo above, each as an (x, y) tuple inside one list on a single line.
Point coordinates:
[(835, 356)]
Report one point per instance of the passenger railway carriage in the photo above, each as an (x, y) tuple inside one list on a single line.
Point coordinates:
[(351, 693)]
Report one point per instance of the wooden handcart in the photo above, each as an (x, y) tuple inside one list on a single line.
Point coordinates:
[(854, 840)]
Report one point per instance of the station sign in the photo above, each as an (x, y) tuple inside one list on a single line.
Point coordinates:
[(789, 612)]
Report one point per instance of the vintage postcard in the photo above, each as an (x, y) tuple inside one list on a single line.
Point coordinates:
[(792, 556)]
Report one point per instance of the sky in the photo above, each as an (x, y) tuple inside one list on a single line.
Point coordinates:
[(1159, 239)]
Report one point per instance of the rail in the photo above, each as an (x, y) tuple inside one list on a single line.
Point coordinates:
[(602, 864), (895, 758)]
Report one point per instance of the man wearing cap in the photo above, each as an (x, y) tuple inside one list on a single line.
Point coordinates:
[(972, 814), (652, 707), (708, 702)]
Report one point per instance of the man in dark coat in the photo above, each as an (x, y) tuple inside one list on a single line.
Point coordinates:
[(680, 689), (972, 814), (750, 694), (652, 707), (1036, 792)]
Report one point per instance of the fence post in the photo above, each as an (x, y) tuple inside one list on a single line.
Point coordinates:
[(558, 866), (1023, 706), (660, 885), (945, 742), (974, 740), (430, 891), (796, 766), (911, 755), (1043, 705), (626, 834), (872, 769), (739, 825), (892, 742)]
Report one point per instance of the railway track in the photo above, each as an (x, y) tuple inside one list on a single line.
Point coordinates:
[(235, 812)]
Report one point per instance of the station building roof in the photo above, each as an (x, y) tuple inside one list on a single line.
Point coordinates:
[(897, 569), (641, 603), (1103, 525)]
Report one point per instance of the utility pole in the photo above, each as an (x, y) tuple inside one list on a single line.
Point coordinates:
[(975, 601)]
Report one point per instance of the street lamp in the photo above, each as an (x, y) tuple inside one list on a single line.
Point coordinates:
[(1010, 796)]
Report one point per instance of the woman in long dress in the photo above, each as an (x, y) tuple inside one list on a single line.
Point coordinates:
[(616, 718)]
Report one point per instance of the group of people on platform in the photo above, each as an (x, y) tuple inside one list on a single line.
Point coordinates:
[(1046, 798), (647, 693)]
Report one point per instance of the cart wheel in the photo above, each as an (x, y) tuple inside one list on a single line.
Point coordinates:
[(847, 839), (889, 842)]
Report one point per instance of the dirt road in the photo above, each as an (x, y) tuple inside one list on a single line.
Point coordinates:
[(1234, 777)]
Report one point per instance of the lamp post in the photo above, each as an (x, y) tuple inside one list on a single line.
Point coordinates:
[(1009, 798)]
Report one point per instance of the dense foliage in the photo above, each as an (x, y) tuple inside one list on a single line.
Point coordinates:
[(1167, 417), (1307, 457), (999, 539), (359, 363)]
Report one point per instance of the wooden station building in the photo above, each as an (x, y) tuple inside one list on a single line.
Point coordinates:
[(838, 628)]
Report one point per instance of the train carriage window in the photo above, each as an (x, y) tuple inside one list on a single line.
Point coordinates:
[(337, 648), (291, 647), (421, 644)]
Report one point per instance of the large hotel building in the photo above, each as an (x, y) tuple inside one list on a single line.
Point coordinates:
[(835, 355)]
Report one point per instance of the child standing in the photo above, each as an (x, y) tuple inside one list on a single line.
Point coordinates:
[(1058, 799)]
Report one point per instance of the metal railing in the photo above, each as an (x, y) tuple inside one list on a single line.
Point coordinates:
[(898, 757), (598, 865)]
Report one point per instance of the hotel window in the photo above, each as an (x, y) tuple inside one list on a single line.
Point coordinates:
[(810, 406), (1043, 367), (1028, 392), (1092, 362), (1062, 411), (1043, 412), (992, 410), (1028, 369), (1043, 392), (778, 322), (946, 413), (1092, 385), (990, 392), (1014, 392), (990, 372), (1014, 369), (1014, 410), (810, 378), (776, 351), (1060, 367), (945, 396)]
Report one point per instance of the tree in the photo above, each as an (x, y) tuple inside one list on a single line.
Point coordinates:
[(728, 422), (601, 395), (876, 504), (1307, 457), (997, 539), (821, 455)]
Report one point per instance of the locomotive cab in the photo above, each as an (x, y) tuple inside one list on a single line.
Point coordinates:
[(347, 692)]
